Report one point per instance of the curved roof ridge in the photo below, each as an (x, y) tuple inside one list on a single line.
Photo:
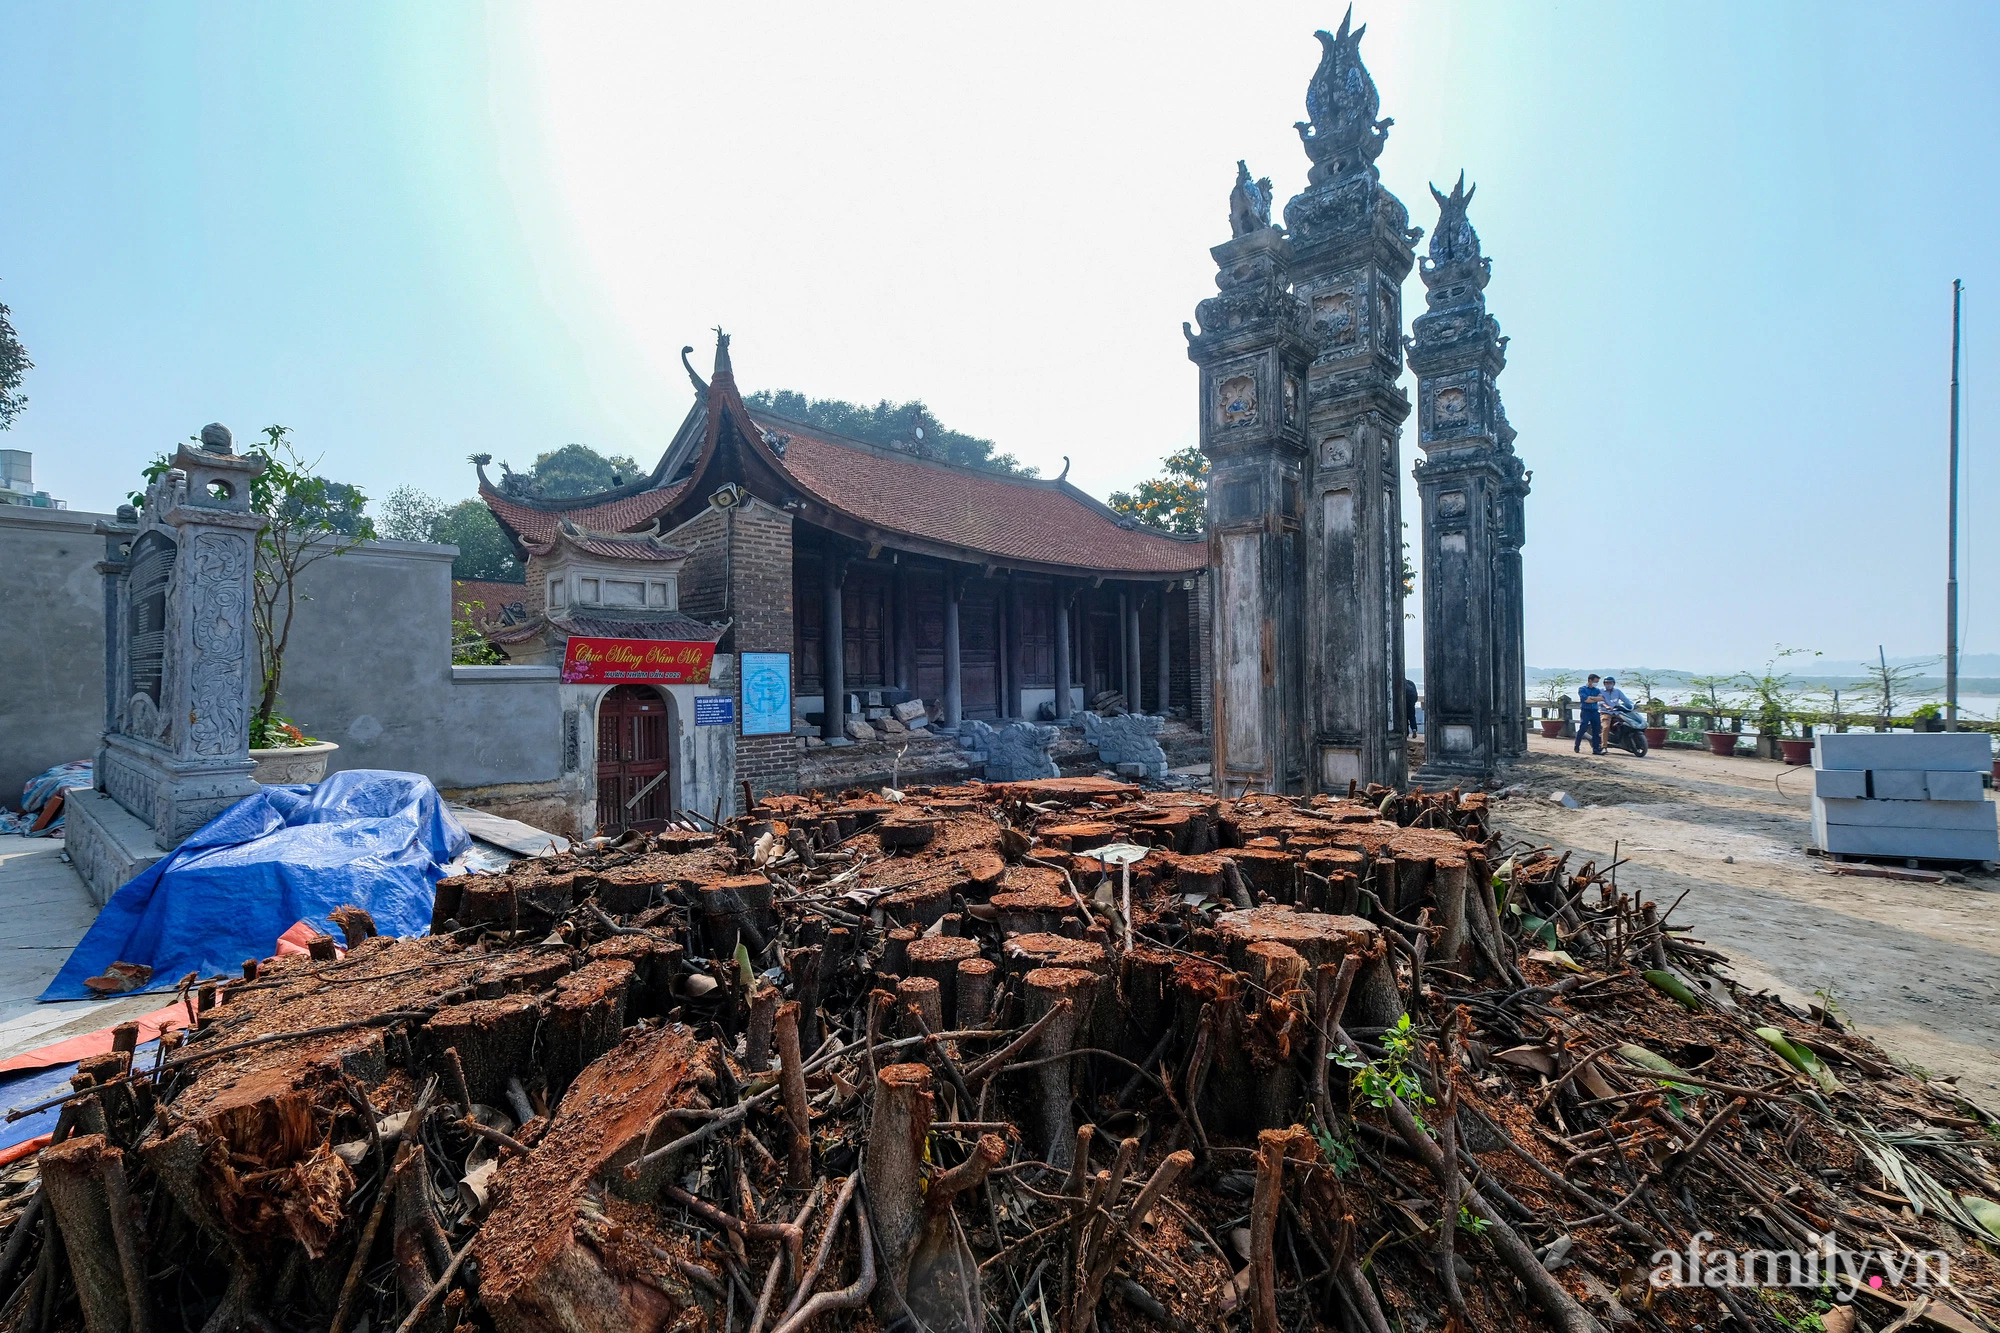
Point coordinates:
[(1060, 484)]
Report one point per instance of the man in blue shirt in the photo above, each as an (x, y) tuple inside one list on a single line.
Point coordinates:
[(1589, 724)]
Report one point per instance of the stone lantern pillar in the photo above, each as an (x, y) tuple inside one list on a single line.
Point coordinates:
[(176, 751)]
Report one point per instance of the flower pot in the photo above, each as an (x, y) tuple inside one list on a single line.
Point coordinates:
[(1796, 752), (1655, 737), (1722, 742), (292, 763), (1552, 728)]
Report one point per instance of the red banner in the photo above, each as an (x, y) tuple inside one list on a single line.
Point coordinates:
[(615, 661)]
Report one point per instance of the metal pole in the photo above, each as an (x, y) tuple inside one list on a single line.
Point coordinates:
[(1951, 576)]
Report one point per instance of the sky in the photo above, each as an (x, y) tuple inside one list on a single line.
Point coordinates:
[(1723, 239)]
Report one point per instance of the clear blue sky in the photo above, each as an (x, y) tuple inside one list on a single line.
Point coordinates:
[(1723, 238)]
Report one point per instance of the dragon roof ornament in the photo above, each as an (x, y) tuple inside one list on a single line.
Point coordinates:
[(1343, 137), (1454, 261)]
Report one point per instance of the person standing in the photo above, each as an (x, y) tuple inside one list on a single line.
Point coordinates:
[(1588, 722)]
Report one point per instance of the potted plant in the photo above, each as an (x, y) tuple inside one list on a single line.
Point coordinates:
[(1647, 685), (1775, 695), (1708, 698), (1557, 683), (310, 519), (1889, 688)]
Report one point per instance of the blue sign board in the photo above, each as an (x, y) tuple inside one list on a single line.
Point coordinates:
[(767, 694), (714, 710)]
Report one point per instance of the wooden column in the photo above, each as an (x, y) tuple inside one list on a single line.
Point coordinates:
[(1166, 619), (1129, 605), (833, 652), (906, 643), (954, 692), (1121, 657), (1063, 595), (1086, 655), (1003, 656)]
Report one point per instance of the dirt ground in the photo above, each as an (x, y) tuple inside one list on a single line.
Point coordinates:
[(1914, 966)]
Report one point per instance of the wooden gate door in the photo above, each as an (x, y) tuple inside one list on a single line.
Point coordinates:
[(1104, 654), (632, 758), (979, 650)]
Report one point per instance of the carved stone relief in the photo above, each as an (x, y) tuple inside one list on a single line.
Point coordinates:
[(1336, 451), (219, 721), (146, 633), (1236, 401), (1333, 315), (1451, 504)]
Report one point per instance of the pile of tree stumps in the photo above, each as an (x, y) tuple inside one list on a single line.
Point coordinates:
[(1049, 1056)]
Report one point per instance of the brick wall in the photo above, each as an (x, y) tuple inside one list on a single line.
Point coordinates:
[(759, 605), (702, 593)]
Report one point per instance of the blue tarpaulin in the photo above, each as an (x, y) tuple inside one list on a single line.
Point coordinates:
[(375, 839)]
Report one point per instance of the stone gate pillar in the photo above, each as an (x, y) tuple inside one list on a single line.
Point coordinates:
[(1471, 486), (1352, 247), (1253, 351)]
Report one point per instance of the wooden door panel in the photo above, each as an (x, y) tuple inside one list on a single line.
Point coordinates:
[(633, 754)]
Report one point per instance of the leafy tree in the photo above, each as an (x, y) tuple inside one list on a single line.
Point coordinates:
[(412, 515), (1888, 687), (14, 367), (483, 549), (310, 519), (1774, 692), (1708, 693), (576, 470), (1558, 684), (470, 646), (1175, 501), (887, 423)]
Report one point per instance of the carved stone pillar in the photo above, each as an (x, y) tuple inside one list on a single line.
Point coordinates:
[(1252, 351), (1352, 246), (1510, 611), (118, 534), (1472, 487), (178, 751)]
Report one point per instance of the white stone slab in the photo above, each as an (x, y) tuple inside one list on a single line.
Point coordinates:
[(1851, 783), (1909, 814), (1925, 844), (1897, 784), (1954, 785), (1969, 751)]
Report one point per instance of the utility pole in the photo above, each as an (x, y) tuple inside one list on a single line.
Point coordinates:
[(1951, 569)]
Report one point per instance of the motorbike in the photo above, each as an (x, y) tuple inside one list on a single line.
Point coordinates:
[(1625, 728)]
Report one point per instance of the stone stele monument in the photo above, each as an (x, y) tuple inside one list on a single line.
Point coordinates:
[(179, 664)]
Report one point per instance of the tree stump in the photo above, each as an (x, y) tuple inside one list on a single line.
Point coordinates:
[(938, 958), (1045, 988)]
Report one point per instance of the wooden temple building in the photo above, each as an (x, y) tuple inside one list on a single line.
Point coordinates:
[(861, 574)]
